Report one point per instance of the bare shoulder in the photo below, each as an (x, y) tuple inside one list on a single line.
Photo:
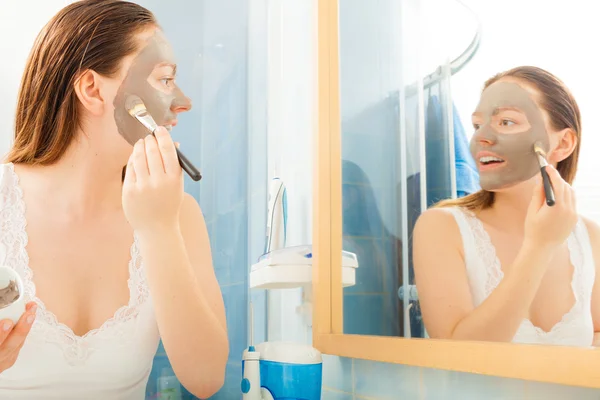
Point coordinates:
[(593, 229), (440, 273), (436, 222), (436, 229)]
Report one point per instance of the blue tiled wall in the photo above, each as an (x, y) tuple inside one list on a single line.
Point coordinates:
[(371, 306), (210, 40), (372, 220)]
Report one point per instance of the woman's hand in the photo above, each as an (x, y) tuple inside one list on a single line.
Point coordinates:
[(13, 336), (545, 226), (153, 185)]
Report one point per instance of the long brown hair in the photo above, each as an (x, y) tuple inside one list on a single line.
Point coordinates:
[(86, 35), (556, 99)]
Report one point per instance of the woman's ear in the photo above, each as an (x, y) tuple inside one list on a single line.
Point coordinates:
[(87, 88), (567, 143)]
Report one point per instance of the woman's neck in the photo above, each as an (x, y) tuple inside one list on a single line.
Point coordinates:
[(86, 181), (510, 208)]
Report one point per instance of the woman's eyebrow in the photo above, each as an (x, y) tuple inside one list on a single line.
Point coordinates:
[(498, 110), (166, 64)]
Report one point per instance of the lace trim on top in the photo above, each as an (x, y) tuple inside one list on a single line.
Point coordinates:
[(486, 251), (76, 349)]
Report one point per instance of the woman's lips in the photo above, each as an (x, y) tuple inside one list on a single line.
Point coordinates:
[(487, 161), (170, 125)]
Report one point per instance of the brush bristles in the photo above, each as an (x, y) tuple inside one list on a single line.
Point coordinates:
[(134, 105), (136, 110), (538, 149)]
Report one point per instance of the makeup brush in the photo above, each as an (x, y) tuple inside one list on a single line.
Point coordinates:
[(136, 108), (541, 156)]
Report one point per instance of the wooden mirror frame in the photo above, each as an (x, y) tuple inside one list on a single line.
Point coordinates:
[(554, 364)]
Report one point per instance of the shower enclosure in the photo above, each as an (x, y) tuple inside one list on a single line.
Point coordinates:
[(399, 128)]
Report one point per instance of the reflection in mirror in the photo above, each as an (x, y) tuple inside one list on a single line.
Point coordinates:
[(496, 256), (505, 263), (390, 173)]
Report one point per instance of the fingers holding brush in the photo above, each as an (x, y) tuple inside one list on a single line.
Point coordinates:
[(139, 163), (152, 189), (564, 194), (153, 157), (130, 178), (555, 183), (546, 226), (571, 197), (167, 150)]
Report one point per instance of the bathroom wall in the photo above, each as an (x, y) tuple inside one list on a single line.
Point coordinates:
[(17, 16)]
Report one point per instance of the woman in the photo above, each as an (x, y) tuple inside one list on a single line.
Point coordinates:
[(500, 264), (107, 263)]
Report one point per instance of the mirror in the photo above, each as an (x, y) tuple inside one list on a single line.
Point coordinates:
[(470, 270)]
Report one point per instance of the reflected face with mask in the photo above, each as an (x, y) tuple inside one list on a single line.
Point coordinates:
[(151, 77), (507, 123)]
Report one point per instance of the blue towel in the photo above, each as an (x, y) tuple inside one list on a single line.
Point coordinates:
[(467, 177)]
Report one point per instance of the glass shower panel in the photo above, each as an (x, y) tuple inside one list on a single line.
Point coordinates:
[(397, 151), (372, 79)]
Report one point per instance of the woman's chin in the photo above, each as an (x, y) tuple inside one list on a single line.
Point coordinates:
[(514, 187)]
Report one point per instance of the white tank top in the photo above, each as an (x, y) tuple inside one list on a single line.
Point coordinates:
[(111, 362), (576, 328)]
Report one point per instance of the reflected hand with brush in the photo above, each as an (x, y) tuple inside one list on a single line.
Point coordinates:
[(548, 225), (548, 191)]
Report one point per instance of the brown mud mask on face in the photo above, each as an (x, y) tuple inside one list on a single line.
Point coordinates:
[(516, 149), (159, 98)]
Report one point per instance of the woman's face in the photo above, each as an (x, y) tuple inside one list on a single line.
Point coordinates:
[(149, 75), (508, 122)]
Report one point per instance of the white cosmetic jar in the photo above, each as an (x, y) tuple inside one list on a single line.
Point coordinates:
[(15, 310)]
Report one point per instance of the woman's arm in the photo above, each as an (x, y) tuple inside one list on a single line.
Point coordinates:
[(443, 286), (594, 234), (187, 300)]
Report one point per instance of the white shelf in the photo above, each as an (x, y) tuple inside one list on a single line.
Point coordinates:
[(292, 276), (291, 267)]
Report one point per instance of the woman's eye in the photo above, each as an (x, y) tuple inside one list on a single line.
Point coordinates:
[(168, 82), (506, 122), (476, 126)]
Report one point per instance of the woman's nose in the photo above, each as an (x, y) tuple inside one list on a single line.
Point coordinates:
[(485, 141), (181, 103), (485, 136)]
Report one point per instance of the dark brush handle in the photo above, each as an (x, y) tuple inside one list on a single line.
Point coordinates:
[(188, 167), (550, 199)]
